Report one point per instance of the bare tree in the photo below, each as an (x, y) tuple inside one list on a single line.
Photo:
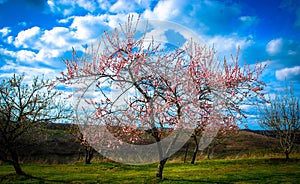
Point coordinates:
[(282, 115), (24, 109)]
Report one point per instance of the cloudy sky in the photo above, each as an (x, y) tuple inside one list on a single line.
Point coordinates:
[(36, 34)]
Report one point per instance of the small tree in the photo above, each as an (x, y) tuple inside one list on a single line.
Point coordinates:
[(232, 84), (78, 136), (282, 115), (222, 136), (214, 137), (24, 108)]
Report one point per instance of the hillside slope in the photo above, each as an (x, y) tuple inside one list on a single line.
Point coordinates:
[(55, 145)]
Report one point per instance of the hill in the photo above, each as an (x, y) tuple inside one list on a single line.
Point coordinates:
[(56, 145)]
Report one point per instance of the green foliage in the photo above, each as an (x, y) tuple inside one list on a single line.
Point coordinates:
[(207, 171)]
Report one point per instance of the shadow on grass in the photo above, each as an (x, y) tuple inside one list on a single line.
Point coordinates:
[(282, 160), (228, 180), (212, 180), (26, 178), (193, 181)]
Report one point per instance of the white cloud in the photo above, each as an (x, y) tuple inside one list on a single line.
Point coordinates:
[(51, 5), (89, 26), (57, 37), (104, 4), (47, 55), (55, 42), (115, 20), (226, 45), (68, 7), (10, 39), (5, 31), (164, 10), (122, 6), (52, 43), (44, 46), (30, 57), (248, 20), (87, 4), (288, 73), (30, 72), (5, 52), (274, 46), (204, 16), (26, 56), (66, 20), (27, 37)]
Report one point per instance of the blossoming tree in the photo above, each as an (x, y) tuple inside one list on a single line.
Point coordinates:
[(235, 85), (130, 83)]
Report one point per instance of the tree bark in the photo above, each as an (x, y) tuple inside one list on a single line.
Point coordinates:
[(15, 162), (160, 168), (208, 152), (186, 152), (287, 156), (89, 153), (195, 150)]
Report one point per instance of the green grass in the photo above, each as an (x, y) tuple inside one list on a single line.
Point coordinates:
[(207, 171)]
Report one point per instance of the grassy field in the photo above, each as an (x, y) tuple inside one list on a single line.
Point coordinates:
[(259, 170)]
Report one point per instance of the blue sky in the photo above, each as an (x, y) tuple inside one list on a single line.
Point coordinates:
[(36, 34)]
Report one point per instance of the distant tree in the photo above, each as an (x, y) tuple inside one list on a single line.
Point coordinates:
[(222, 136), (24, 108), (79, 137), (282, 115), (214, 138)]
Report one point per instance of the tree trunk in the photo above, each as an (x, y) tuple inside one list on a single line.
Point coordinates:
[(186, 152), (89, 153), (195, 150), (160, 168), (15, 162), (287, 156), (208, 152)]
